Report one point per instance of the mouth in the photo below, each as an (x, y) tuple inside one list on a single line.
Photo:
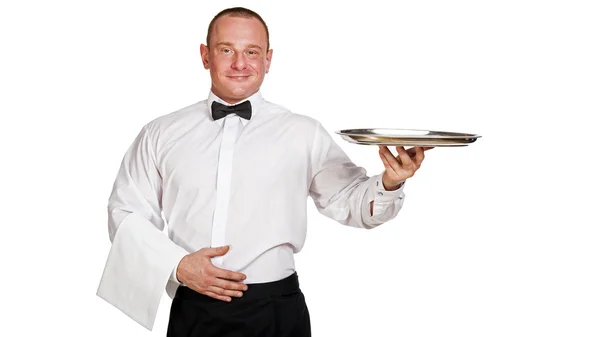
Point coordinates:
[(239, 77)]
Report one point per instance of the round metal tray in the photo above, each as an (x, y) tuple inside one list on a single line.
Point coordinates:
[(406, 137)]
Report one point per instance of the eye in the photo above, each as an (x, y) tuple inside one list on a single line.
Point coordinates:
[(252, 52), (226, 50)]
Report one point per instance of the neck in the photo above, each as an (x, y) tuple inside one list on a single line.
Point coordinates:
[(231, 100)]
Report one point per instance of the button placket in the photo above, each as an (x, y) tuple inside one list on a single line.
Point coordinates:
[(224, 171)]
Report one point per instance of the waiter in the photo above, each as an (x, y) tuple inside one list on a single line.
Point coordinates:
[(231, 175)]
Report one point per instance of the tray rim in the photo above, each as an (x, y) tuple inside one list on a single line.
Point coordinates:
[(365, 139), (450, 135), (411, 143), (415, 145)]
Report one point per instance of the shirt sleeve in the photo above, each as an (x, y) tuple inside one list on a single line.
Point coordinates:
[(141, 258), (342, 191), (174, 276)]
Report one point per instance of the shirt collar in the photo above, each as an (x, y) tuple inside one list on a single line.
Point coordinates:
[(256, 100)]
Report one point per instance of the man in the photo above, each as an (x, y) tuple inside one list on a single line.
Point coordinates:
[(231, 174)]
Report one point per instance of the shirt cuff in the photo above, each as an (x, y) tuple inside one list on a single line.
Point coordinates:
[(174, 274), (382, 195)]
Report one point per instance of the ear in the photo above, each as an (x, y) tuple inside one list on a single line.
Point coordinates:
[(269, 56), (204, 55)]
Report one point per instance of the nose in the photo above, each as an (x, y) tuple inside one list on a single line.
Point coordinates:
[(239, 62)]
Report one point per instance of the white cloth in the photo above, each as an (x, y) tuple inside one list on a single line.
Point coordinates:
[(244, 184)]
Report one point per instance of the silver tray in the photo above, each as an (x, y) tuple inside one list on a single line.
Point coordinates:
[(406, 137)]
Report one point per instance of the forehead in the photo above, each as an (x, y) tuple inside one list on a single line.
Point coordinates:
[(238, 30)]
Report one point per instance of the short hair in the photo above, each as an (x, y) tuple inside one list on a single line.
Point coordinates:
[(237, 12)]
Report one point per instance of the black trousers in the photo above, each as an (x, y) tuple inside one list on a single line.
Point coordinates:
[(273, 309)]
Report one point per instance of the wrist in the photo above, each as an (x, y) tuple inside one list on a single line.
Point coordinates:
[(179, 269), (391, 187)]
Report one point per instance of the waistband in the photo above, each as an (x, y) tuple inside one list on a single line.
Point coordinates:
[(286, 286)]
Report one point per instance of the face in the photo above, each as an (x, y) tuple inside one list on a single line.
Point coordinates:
[(238, 58)]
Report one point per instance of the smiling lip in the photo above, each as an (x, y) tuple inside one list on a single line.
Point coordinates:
[(238, 78)]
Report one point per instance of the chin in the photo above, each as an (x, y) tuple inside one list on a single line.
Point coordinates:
[(242, 92)]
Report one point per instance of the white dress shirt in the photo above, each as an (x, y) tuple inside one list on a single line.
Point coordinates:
[(233, 181)]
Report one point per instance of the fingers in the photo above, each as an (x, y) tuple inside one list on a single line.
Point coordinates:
[(225, 292), (205, 278), (217, 296), (228, 285), (385, 161), (218, 272), (220, 289), (406, 163), (405, 159), (227, 274), (388, 157), (419, 156), (217, 251)]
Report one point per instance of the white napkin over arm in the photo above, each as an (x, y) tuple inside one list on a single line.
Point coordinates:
[(142, 258)]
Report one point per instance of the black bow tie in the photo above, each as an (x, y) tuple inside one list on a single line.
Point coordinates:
[(243, 110)]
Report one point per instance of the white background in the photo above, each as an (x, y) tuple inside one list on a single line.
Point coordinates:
[(500, 238)]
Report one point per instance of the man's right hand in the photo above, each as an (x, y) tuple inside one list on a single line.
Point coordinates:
[(197, 272)]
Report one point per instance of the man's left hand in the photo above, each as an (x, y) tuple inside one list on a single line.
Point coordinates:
[(402, 167)]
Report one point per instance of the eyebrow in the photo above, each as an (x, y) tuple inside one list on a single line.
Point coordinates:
[(229, 44), (254, 46)]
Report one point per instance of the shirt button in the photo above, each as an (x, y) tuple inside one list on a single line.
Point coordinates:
[(379, 193)]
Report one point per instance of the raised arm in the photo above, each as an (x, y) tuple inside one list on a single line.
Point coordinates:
[(342, 191)]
